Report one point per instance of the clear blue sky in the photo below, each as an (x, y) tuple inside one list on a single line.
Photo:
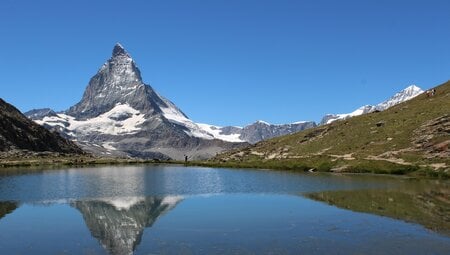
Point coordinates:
[(228, 62)]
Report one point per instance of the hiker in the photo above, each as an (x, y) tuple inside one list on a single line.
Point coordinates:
[(433, 92), (185, 158)]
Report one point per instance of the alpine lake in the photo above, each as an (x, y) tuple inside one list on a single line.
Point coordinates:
[(170, 209)]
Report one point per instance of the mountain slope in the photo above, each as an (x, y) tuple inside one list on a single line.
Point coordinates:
[(402, 138), (120, 115), (400, 97), (255, 132), (17, 132)]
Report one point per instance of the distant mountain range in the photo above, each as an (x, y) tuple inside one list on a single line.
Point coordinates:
[(400, 97), (120, 115), (20, 134), (255, 132)]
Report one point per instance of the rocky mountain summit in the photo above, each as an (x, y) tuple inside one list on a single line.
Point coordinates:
[(120, 115), (118, 82), (18, 133)]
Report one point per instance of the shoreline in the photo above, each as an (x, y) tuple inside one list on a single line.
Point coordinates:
[(302, 167), (358, 169)]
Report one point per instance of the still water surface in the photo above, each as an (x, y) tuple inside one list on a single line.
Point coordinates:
[(188, 210)]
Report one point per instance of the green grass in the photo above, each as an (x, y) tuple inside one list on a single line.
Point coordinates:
[(323, 164)]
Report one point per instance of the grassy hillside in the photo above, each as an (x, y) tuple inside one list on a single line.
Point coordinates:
[(410, 137)]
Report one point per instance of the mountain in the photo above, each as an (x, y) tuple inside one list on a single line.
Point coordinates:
[(412, 136), (400, 97), (18, 133), (37, 114), (258, 131), (118, 224), (120, 115)]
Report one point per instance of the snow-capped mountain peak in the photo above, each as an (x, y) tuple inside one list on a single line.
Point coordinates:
[(121, 115), (400, 97), (118, 81)]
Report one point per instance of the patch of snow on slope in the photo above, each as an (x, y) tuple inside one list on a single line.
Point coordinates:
[(176, 116), (217, 133), (108, 146), (54, 121), (173, 114), (299, 122), (360, 111), (105, 123)]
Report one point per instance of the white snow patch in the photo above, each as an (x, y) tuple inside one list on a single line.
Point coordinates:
[(54, 122), (173, 114), (177, 117), (205, 131), (299, 122), (108, 146), (217, 133), (102, 123)]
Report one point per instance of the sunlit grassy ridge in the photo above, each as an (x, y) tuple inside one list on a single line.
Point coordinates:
[(409, 137)]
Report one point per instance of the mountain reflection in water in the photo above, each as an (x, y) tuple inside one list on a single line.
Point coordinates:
[(118, 223), (6, 208)]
